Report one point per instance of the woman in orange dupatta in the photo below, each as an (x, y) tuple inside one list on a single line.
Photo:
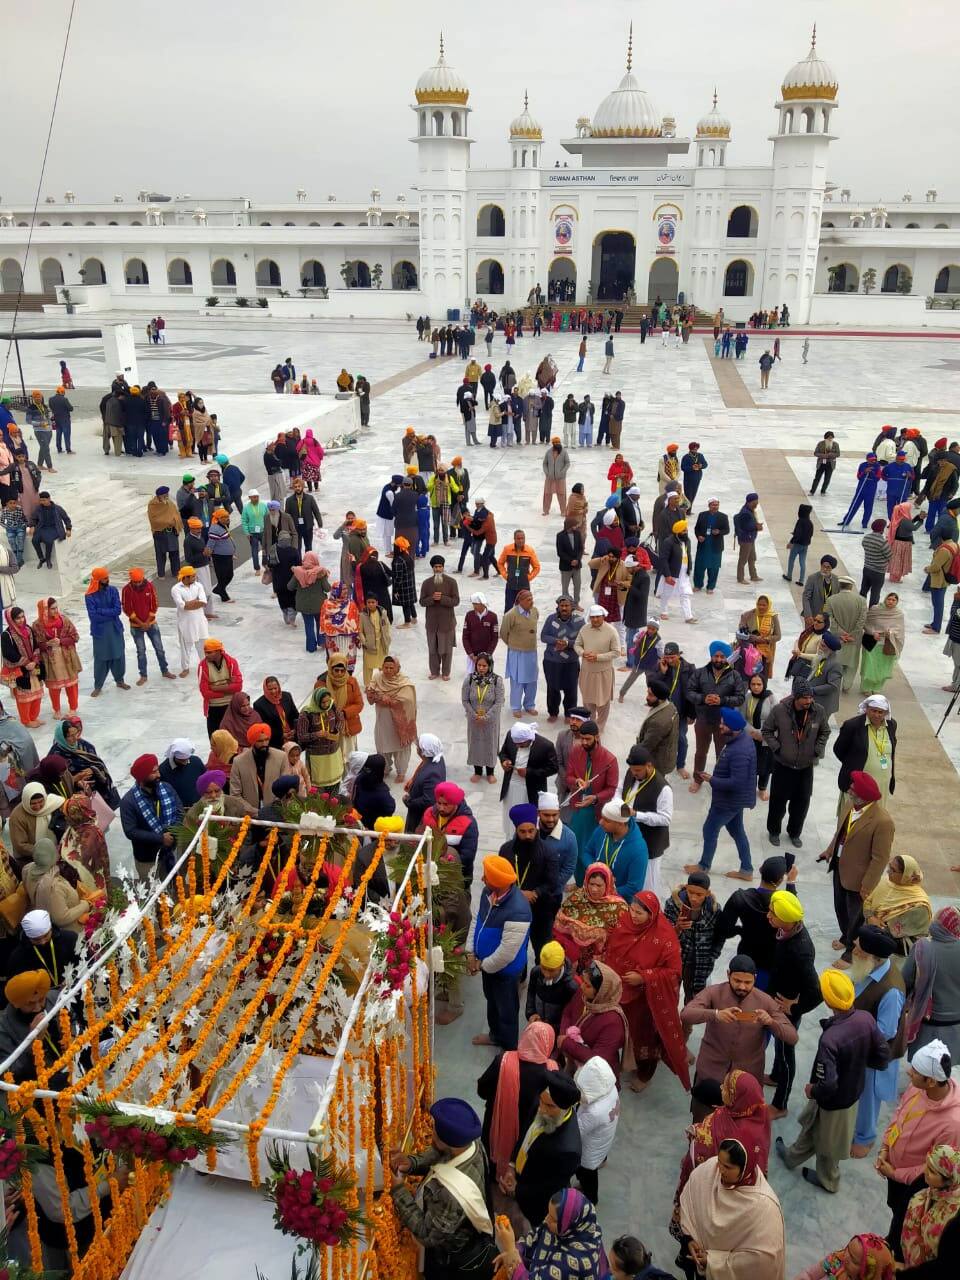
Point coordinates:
[(511, 1087), (644, 950)]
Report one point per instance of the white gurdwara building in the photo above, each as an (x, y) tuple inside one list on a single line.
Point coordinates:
[(637, 212)]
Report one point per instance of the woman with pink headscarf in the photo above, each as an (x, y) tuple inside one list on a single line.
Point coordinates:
[(310, 584), (903, 521), (511, 1088), (310, 453)]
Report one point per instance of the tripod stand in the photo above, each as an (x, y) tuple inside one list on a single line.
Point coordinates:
[(950, 705)]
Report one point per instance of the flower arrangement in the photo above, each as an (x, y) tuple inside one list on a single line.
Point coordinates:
[(317, 1204), (15, 1154), (142, 1138), (395, 952), (304, 810), (451, 962)]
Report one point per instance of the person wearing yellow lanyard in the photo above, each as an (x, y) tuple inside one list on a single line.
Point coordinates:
[(42, 947), (549, 1154), (868, 741), (29, 996)]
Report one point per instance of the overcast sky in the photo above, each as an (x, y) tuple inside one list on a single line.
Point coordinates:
[(260, 97)]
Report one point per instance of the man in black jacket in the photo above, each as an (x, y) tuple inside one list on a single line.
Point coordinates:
[(747, 527), (628, 513), (849, 1043), (746, 913), (541, 762), (711, 688), (796, 732), (710, 530), (538, 872), (548, 1154), (794, 984), (852, 747), (676, 673), (303, 510)]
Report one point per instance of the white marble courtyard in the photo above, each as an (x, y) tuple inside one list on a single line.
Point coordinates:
[(852, 386)]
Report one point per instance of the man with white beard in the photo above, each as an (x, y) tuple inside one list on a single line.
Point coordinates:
[(879, 989)]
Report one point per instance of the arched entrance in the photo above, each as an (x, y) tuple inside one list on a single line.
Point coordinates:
[(614, 265), (663, 281), (562, 281)]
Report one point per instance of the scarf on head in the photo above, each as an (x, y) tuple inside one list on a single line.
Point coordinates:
[(742, 1117), (889, 900), (159, 811), (608, 1000), (340, 692), (586, 920), (339, 615), (576, 1252), (902, 511), (401, 692), (309, 571), (877, 1261), (51, 626), (239, 719), (880, 619), (931, 1209), (535, 1045), (22, 637)]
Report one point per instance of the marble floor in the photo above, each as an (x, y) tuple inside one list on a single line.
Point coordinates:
[(672, 395)]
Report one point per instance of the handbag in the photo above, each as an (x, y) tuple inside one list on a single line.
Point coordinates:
[(868, 642), (889, 648), (104, 814)]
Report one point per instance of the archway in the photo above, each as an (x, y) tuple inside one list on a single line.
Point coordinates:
[(92, 272), (179, 275), (489, 276), (358, 275), (742, 223), (948, 280), (664, 281), (615, 265), (312, 274), (135, 272), (51, 274), (404, 275), (268, 274), (738, 279), (223, 274), (562, 280), (892, 278), (11, 276), (844, 278), (490, 221)]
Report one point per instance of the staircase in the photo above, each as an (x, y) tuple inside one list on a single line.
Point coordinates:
[(28, 301)]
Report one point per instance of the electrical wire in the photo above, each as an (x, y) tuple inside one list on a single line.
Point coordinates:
[(36, 199)]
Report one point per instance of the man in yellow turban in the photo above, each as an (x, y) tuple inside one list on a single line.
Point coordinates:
[(551, 987), (497, 949), (28, 998), (794, 984), (850, 1043)]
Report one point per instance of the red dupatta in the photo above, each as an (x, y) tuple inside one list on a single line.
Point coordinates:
[(653, 950), (743, 1117)]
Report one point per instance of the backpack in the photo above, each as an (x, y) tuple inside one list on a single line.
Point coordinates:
[(952, 571)]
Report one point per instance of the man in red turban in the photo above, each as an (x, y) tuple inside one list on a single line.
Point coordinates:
[(857, 857)]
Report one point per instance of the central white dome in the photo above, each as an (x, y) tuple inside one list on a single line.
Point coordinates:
[(628, 112)]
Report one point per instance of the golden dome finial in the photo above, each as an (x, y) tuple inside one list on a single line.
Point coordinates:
[(813, 38), (630, 49), (526, 102), (441, 44), (714, 97)]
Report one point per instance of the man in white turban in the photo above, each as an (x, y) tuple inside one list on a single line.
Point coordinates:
[(598, 647)]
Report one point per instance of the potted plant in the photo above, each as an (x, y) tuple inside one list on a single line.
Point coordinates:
[(213, 301), (376, 275), (65, 295), (869, 279), (905, 280)]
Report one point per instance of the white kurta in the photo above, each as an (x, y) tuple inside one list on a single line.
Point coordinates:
[(191, 623)]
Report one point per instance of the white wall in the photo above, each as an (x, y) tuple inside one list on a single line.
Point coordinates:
[(880, 310), (382, 304)]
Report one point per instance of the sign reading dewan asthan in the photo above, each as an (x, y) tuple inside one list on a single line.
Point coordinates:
[(662, 178)]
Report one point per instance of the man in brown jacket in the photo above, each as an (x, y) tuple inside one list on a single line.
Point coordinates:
[(857, 857), (518, 631), (254, 772), (439, 597), (660, 731), (167, 528)]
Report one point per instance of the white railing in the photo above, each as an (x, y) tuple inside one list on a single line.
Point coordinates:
[(130, 287), (180, 288), (224, 290), (268, 291)]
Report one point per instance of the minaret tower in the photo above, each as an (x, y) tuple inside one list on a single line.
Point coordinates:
[(524, 211), (808, 100), (443, 150)]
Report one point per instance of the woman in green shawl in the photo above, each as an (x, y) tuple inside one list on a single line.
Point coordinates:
[(320, 732)]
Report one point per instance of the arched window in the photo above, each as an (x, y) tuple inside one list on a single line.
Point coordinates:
[(438, 124), (455, 126), (423, 124), (312, 274), (11, 276), (940, 226), (179, 275), (51, 274), (92, 272), (44, 224), (913, 226), (113, 224), (489, 276), (843, 278), (948, 280), (265, 224), (68, 224), (738, 279), (135, 272), (136, 223), (894, 277), (314, 224), (808, 117), (742, 223), (338, 224), (359, 275), (787, 123), (439, 227), (268, 274), (223, 274), (404, 275), (91, 223), (289, 224), (490, 221), (826, 224)]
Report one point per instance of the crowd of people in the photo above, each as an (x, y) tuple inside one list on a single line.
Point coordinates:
[(572, 921)]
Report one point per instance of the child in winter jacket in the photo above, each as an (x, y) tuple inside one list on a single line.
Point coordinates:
[(423, 525)]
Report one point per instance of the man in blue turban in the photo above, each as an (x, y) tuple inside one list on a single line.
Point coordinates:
[(733, 787), (538, 872), (709, 689)]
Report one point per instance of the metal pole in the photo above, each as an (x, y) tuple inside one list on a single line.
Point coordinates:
[(23, 388)]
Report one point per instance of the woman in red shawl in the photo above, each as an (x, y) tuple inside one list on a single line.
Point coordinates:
[(644, 950), (83, 846), (743, 1116), (22, 669)]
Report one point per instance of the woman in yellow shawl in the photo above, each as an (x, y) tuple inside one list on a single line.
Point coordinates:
[(763, 625), (899, 903)]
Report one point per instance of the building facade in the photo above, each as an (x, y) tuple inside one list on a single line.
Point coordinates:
[(639, 212)]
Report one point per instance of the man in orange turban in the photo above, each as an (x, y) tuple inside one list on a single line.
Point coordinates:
[(106, 630), (28, 998), (497, 949), (139, 600)]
